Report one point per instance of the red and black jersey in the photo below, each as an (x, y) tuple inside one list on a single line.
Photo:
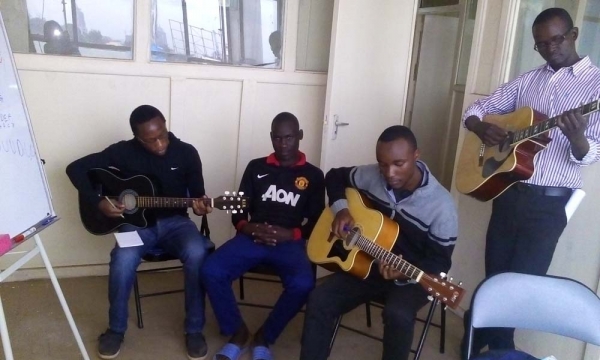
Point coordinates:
[(291, 197)]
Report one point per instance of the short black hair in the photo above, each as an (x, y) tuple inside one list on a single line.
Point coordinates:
[(143, 114), (398, 132), (552, 13), (285, 117)]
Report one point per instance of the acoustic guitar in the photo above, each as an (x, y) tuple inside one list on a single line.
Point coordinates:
[(371, 239), (484, 172), (137, 193)]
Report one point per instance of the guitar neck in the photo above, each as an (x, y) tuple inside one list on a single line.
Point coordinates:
[(170, 202), (548, 124), (379, 253)]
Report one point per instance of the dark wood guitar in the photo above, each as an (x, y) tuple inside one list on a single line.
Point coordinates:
[(371, 239), (485, 172), (137, 193)]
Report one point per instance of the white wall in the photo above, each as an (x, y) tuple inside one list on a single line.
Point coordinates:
[(82, 105), (576, 254)]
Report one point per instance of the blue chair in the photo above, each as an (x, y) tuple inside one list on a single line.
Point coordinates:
[(549, 304), (158, 254)]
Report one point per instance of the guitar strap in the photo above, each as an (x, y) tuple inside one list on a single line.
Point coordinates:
[(204, 230)]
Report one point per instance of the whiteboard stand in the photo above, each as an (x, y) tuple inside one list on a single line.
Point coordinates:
[(38, 249)]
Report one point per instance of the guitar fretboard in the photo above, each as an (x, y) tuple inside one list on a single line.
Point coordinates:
[(548, 124), (167, 202), (386, 256)]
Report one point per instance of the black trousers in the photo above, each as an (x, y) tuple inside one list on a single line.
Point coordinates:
[(341, 293), (522, 235)]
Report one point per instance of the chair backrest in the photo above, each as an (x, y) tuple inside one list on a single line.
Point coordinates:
[(549, 304)]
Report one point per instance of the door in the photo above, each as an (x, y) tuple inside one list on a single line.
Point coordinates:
[(368, 77), (440, 61)]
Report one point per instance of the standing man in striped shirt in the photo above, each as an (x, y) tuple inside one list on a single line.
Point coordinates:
[(528, 219)]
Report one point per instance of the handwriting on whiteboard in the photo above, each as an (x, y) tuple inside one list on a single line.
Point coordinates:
[(17, 147), (6, 121)]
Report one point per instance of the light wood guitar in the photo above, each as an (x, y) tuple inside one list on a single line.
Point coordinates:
[(485, 172), (371, 239)]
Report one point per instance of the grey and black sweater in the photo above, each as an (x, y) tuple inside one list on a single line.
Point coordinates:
[(428, 219)]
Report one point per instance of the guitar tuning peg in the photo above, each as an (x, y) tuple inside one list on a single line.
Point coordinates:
[(226, 192), (443, 275), (460, 283), (451, 279), (234, 193), (430, 298), (241, 211), (227, 211), (241, 193), (234, 211)]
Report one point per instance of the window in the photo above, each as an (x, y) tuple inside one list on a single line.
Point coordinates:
[(524, 58), (223, 32), (436, 3), (90, 28), (589, 37), (315, 19)]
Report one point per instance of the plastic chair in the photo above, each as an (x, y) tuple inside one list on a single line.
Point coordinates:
[(549, 304), (428, 321), (158, 254)]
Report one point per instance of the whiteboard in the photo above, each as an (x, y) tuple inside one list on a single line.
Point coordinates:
[(25, 199)]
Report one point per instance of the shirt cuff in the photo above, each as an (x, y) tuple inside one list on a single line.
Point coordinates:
[(472, 111), (590, 157), (341, 204), (297, 233), (240, 225)]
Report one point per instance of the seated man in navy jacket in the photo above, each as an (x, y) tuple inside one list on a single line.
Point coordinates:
[(284, 190)]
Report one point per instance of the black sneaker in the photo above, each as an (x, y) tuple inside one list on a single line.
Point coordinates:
[(196, 346), (109, 344)]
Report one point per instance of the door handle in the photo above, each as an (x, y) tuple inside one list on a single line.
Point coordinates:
[(337, 124)]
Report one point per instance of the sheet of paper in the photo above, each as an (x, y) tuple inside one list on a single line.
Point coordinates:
[(574, 202), (128, 239)]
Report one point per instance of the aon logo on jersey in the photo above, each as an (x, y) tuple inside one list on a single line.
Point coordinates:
[(282, 196)]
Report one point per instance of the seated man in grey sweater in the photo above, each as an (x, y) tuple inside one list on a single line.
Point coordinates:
[(401, 188)]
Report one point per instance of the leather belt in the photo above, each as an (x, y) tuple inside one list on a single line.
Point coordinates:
[(543, 190)]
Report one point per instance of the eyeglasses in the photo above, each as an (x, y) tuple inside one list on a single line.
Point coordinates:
[(554, 41)]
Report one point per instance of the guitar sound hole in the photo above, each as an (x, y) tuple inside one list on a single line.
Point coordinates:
[(128, 199)]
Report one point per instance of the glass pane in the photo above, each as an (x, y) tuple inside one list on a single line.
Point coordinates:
[(589, 39), (104, 28), (434, 3), (467, 42), (524, 58), (224, 32), (314, 35)]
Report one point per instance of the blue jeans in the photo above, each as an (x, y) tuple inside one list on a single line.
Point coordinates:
[(180, 237), (237, 256)]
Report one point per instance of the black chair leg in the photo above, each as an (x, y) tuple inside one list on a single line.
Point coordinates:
[(335, 331), (443, 329), (138, 304), (241, 287), (368, 310), (426, 329)]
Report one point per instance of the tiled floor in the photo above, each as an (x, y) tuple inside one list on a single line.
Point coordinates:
[(39, 330)]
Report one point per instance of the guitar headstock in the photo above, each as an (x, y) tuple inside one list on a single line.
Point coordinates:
[(231, 201), (442, 288)]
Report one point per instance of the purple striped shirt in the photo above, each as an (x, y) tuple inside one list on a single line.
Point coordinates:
[(552, 93)]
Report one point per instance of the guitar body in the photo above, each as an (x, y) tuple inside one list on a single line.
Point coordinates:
[(125, 190), (331, 252), (485, 177)]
